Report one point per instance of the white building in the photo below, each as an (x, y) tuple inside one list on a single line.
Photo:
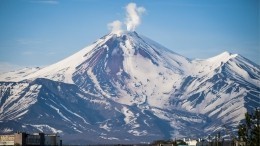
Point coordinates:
[(190, 142)]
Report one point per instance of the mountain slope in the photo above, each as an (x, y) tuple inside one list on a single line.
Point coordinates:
[(128, 88)]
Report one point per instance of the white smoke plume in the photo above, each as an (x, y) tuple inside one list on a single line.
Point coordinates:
[(133, 19), (133, 16), (115, 27)]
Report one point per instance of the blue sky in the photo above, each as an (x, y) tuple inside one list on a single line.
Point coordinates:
[(42, 32)]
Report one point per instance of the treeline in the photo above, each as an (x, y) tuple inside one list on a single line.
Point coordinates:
[(249, 130)]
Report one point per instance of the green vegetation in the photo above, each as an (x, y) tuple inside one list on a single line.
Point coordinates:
[(249, 131)]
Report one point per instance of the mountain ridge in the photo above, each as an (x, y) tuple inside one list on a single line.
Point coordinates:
[(128, 88)]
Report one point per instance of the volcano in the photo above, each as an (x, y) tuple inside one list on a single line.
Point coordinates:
[(126, 88)]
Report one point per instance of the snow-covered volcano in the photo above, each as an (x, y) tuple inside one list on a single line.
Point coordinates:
[(128, 88)]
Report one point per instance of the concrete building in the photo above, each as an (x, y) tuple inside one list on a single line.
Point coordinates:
[(52, 140), (24, 139)]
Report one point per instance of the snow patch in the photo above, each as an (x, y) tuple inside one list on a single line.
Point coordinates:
[(44, 128)]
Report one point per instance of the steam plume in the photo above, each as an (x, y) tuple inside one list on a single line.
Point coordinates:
[(132, 20), (133, 16), (115, 27)]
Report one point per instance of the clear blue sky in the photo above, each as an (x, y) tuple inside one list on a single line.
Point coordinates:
[(42, 32)]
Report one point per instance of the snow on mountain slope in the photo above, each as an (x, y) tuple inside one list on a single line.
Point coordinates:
[(60, 71), (128, 70), (128, 82), (17, 75), (66, 109), (224, 87), (12, 105)]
